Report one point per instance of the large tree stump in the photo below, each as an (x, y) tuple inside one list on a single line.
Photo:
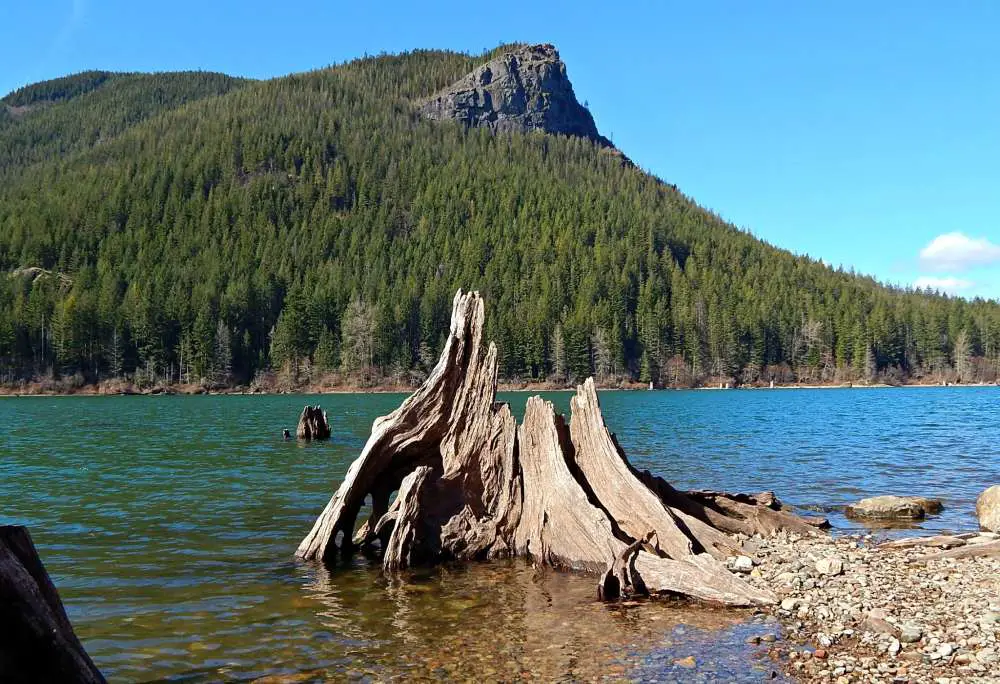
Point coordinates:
[(37, 642), (472, 484)]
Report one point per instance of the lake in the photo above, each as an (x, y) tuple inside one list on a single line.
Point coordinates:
[(169, 525)]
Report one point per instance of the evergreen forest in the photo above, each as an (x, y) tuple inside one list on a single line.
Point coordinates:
[(201, 229)]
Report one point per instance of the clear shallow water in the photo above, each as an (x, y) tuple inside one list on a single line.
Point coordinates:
[(169, 524)]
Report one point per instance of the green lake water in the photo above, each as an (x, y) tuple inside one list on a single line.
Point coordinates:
[(169, 525)]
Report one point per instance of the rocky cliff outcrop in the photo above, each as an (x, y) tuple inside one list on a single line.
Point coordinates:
[(525, 89)]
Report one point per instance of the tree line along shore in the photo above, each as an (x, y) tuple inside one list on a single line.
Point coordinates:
[(333, 384)]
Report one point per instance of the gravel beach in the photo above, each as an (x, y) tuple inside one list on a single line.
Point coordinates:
[(855, 611)]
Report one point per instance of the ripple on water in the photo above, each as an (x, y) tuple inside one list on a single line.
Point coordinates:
[(169, 524)]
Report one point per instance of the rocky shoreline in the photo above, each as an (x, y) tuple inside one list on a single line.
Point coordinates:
[(121, 387), (855, 610)]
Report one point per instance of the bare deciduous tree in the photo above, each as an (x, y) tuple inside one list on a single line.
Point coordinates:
[(558, 354), (358, 347), (963, 357), (222, 361), (677, 371), (601, 350)]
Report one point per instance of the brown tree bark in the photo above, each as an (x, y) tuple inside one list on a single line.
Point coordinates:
[(472, 484), (313, 424), (37, 642), (969, 551)]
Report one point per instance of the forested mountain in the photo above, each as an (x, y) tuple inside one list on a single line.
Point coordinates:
[(103, 106), (201, 228)]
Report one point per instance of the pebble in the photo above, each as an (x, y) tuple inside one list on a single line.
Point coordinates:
[(830, 566), (742, 564), (790, 604), (874, 614)]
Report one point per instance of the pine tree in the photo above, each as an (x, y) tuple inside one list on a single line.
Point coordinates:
[(130, 225), (222, 358), (603, 359), (557, 355), (358, 343), (325, 356)]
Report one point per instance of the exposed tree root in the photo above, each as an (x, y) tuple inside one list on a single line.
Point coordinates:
[(472, 484)]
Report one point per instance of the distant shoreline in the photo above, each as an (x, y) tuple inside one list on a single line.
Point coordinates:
[(118, 388)]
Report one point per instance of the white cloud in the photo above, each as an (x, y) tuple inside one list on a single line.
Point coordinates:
[(946, 284), (958, 252)]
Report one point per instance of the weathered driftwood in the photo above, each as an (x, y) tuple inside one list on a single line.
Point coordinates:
[(968, 551), (743, 514), (621, 579), (37, 642), (939, 541), (313, 424), (472, 484)]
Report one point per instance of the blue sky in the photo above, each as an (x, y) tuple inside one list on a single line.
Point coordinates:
[(863, 134)]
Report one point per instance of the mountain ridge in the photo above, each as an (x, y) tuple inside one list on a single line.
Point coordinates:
[(46, 125), (258, 228)]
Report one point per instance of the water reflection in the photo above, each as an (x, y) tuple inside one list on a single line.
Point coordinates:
[(509, 621), (174, 556)]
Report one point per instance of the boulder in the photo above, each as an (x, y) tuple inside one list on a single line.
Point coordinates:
[(742, 564), (830, 566), (910, 633), (876, 623), (988, 509), (930, 505), (790, 603), (894, 508)]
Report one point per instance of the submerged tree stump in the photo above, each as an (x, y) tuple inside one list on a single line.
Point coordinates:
[(313, 424), (472, 484), (37, 642)]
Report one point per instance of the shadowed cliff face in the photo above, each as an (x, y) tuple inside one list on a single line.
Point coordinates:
[(523, 90)]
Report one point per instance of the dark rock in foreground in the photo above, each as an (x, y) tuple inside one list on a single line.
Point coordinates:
[(37, 642), (523, 90)]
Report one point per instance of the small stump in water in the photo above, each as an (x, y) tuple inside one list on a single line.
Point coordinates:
[(313, 424)]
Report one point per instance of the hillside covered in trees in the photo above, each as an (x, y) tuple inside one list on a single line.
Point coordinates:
[(197, 228)]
